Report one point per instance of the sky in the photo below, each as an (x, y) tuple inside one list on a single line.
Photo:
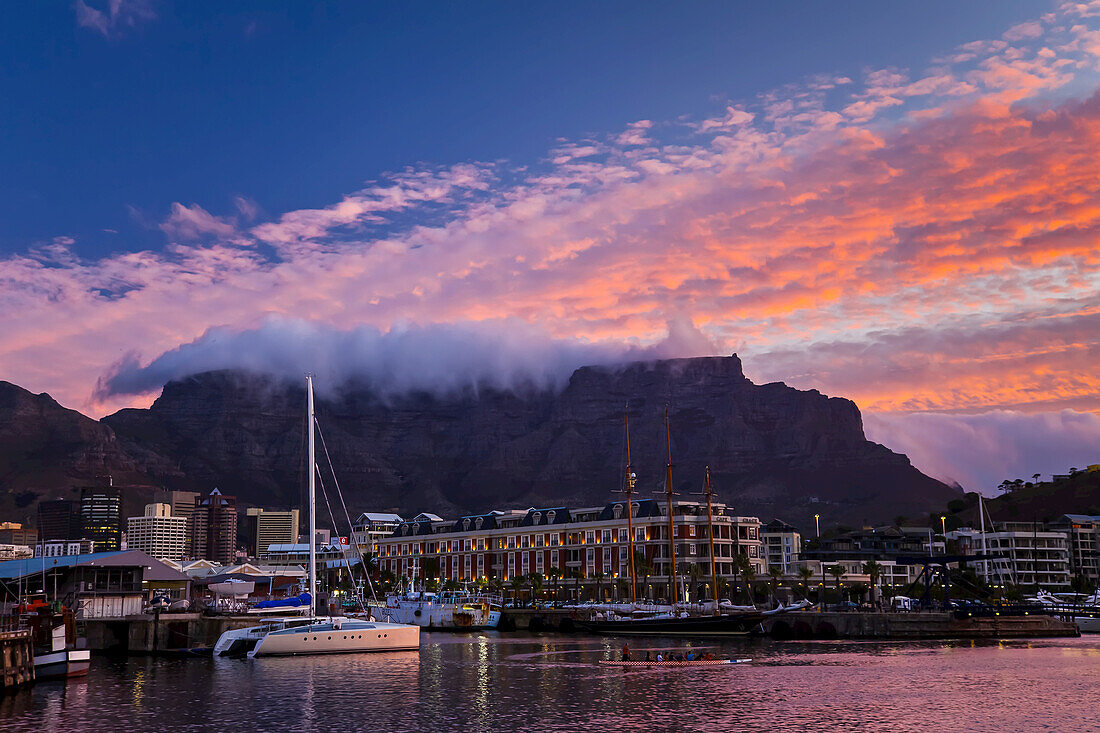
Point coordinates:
[(894, 203)]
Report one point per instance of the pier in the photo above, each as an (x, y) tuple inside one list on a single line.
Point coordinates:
[(541, 619), (175, 633), (922, 625), (16, 659)]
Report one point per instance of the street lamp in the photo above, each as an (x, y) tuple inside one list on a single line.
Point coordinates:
[(817, 524)]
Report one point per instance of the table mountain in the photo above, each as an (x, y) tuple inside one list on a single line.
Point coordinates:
[(773, 450)]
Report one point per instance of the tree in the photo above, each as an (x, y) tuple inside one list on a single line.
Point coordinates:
[(748, 573), (576, 576), (874, 570), (838, 572), (1035, 477), (622, 588), (695, 576), (535, 581), (555, 575), (857, 592), (600, 577), (518, 581), (642, 569), (776, 575), (806, 575)]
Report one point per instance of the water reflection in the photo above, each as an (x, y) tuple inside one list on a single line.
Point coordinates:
[(553, 683)]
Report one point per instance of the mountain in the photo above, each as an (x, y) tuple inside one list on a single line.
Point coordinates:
[(48, 451), (773, 450)]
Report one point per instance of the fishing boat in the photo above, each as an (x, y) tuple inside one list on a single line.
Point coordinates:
[(314, 634), (448, 611)]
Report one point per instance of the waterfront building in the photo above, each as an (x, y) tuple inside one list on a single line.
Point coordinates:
[(586, 546), (213, 527), (59, 520), (14, 552), (97, 585), (100, 519), (879, 543), (14, 533), (782, 544), (271, 528), (370, 527), (1083, 536), (1033, 555), (894, 577), (157, 533)]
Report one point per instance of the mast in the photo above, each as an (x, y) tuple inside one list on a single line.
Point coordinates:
[(671, 526), (981, 516), (312, 460), (629, 491), (710, 533)]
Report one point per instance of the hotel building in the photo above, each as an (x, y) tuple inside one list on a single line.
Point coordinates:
[(588, 545), (157, 533)]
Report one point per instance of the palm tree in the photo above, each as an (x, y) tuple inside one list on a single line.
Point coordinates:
[(874, 570), (776, 575), (518, 581), (535, 581), (642, 569), (695, 575), (576, 576), (838, 572), (622, 587), (806, 575), (747, 572), (600, 577), (555, 575)]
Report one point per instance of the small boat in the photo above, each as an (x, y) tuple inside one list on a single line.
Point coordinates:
[(672, 663), (58, 660)]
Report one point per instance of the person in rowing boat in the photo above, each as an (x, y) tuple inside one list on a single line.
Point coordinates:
[(691, 656), (659, 657), (648, 658), (626, 652)]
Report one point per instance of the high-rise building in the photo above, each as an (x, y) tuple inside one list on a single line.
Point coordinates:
[(100, 519), (157, 533), (14, 533), (213, 528), (272, 528), (59, 520), (183, 504)]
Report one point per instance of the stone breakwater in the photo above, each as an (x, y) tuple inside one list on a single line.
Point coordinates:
[(854, 625)]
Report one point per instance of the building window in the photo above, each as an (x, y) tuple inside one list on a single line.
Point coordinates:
[(554, 558), (607, 536), (624, 535), (691, 530), (590, 537), (550, 516)]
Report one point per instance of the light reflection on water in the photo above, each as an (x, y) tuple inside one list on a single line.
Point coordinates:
[(552, 683)]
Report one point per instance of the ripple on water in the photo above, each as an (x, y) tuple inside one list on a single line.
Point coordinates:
[(548, 683)]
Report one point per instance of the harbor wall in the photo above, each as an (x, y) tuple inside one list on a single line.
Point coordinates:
[(923, 625), (16, 659), (541, 619), (171, 633)]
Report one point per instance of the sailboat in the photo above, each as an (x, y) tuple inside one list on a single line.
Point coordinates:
[(313, 634)]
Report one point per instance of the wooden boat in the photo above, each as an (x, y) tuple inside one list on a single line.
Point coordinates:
[(672, 663)]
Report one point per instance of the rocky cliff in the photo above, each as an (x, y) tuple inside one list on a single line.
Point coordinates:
[(773, 450)]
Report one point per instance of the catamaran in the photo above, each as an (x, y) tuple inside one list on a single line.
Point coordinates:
[(314, 634)]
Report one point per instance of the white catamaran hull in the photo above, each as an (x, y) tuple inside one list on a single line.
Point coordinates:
[(347, 637)]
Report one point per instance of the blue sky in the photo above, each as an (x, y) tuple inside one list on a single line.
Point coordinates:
[(293, 104), (891, 202)]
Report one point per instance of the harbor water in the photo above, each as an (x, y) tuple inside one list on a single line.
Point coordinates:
[(514, 682)]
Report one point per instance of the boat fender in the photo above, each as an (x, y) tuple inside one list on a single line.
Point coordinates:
[(416, 613), (337, 624)]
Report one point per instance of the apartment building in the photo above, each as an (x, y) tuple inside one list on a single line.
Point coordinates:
[(1032, 554), (782, 545), (370, 527)]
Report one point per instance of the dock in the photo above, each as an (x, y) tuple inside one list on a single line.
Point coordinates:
[(16, 659), (170, 633), (917, 625)]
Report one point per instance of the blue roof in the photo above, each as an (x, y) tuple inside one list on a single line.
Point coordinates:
[(31, 565)]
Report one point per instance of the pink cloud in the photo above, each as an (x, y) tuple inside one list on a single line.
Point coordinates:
[(114, 17)]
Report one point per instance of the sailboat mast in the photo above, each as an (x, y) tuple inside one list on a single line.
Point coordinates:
[(710, 532), (671, 526), (312, 462), (629, 490), (981, 518)]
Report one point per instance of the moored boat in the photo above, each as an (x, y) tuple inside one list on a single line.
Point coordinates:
[(447, 611)]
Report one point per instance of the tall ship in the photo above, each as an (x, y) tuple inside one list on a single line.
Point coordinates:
[(312, 634), (447, 611)]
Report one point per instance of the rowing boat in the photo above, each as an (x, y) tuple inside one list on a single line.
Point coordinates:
[(671, 663)]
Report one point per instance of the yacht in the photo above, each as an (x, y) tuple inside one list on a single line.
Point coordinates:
[(312, 634), (448, 611)]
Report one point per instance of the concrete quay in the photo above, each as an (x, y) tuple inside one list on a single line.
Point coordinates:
[(171, 633), (542, 619), (917, 625)]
